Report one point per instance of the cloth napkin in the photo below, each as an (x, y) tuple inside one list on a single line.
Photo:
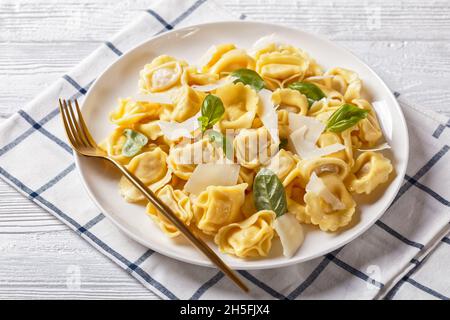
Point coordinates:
[(36, 159)]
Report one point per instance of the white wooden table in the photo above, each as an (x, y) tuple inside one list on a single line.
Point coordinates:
[(406, 42)]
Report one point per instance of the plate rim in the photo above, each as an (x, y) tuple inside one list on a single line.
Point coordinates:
[(278, 264)]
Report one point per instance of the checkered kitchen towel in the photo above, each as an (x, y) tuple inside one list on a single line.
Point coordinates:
[(381, 263)]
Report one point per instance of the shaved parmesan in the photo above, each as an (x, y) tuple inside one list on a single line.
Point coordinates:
[(317, 78), (174, 130), (379, 147), (268, 114), (164, 98), (206, 58), (383, 114), (212, 174), (305, 133), (290, 232), (213, 86), (263, 42), (321, 152), (316, 186)]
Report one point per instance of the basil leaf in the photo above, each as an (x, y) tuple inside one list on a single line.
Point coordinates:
[(268, 192), (283, 143), (310, 90), (345, 117), (250, 77), (134, 143), (212, 110), (222, 141)]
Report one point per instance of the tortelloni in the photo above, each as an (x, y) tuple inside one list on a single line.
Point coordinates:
[(329, 138), (252, 147), (185, 156), (226, 58), (180, 204), (113, 145), (249, 238), (162, 74), (369, 131), (187, 103), (322, 213), (295, 201), (151, 168), (191, 76), (279, 65), (240, 103), (219, 206), (322, 166), (290, 100), (283, 164), (130, 112), (370, 170), (346, 82)]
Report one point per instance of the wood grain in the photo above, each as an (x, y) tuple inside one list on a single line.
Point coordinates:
[(406, 42)]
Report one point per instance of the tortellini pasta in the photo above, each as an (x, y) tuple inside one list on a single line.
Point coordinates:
[(276, 116), (163, 73), (323, 166), (249, 238), (290, 100), (283, 165), (241, 104), (219, 206), (180, 204), (370, 170), (253, 146), (130, 112), (279, 65), (344, 81), (151, 168), (187, 103), (322, 213), (113, 145), (227, 59)]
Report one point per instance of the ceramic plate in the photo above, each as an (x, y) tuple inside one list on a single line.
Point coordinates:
[(120, 80)]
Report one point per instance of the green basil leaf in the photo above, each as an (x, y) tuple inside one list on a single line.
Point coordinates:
[(345, 117), (203, 122), (310, 90), (269, 193), (212, 110), (250, 77), (222, 141), (134, 143)]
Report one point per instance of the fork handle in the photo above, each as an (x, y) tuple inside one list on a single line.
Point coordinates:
[(188, 233)]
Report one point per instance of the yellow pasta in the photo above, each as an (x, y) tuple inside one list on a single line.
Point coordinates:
[(253, 146), (180, 204), (370, 170), (151, 168), (130, 112), (322, 214), (113, 145), (187, 103), (281, 65), (241, 104), (290, 100), (249, 238), (218, 206), (295, 201), (163, 73)]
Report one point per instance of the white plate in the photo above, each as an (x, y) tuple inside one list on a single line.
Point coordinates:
[(120, 80)]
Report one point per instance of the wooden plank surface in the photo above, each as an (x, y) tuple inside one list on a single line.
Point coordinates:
[(406, 42)]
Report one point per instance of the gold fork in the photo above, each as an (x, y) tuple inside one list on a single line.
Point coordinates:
[(83, 143)]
